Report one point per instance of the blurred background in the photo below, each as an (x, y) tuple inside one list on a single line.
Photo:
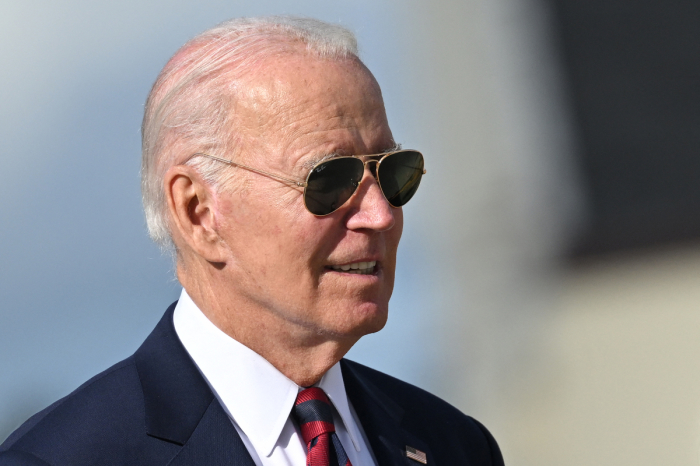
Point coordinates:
[(549, 275)]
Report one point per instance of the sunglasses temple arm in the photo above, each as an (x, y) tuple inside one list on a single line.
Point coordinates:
[(301, 184)]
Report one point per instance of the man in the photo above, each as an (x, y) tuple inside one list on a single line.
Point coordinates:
[(270, 170)]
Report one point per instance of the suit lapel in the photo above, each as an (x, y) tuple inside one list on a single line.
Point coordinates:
[(214, 442), (179, 406), (381, 420)]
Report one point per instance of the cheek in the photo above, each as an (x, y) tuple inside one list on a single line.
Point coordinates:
[(279, 242), (315, 236), (246, 228)]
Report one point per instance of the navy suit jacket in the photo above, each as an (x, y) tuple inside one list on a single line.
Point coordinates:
[(154, 408)]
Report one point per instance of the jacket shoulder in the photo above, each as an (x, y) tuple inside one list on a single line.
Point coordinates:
[(411, 399), (429, 416), (98, 420)]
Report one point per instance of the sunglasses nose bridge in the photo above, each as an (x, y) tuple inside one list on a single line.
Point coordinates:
[(373, 173), (372, 169)]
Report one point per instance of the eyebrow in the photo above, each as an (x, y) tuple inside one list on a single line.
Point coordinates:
[(331, 155)]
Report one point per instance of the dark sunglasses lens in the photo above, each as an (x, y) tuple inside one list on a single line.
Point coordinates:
[(400, 175), (331, 184)]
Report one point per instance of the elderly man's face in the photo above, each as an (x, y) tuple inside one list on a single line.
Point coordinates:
[(283, 258)]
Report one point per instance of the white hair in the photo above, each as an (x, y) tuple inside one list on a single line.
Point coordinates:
[(189, 107)]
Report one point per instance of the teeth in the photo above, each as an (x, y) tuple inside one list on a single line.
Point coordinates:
[(364, 268)]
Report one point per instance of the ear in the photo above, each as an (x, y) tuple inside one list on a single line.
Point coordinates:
[(192, 209)]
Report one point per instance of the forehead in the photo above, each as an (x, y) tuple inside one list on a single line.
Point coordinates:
[(298, 106)]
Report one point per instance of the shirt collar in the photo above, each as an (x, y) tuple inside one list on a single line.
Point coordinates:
[(255, 394)]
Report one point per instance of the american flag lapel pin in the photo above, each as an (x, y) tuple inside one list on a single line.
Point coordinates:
[(416, 455)]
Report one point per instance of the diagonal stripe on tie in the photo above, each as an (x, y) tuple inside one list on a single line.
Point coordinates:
[(312, 411)]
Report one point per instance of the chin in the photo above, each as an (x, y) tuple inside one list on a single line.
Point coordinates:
[(371, 319)]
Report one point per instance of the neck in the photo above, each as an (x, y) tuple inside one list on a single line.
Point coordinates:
[(299, 352)]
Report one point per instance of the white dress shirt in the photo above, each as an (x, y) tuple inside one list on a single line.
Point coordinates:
[(258, 398)]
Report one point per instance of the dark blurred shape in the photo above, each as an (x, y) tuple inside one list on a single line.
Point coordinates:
[(634, 77)]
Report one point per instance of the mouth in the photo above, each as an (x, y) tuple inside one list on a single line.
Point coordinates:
[(359, 268)]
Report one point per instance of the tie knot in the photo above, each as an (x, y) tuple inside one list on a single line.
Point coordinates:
[(313, 412)]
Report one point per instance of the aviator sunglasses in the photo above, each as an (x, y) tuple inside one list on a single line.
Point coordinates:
[(331, 183)]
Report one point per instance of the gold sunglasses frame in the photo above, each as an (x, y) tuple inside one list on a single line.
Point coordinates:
[(304, 184)]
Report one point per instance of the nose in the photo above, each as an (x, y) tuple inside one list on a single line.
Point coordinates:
[(370, 209)]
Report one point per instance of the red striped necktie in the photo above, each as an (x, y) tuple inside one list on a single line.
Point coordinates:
[(313, 412)]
